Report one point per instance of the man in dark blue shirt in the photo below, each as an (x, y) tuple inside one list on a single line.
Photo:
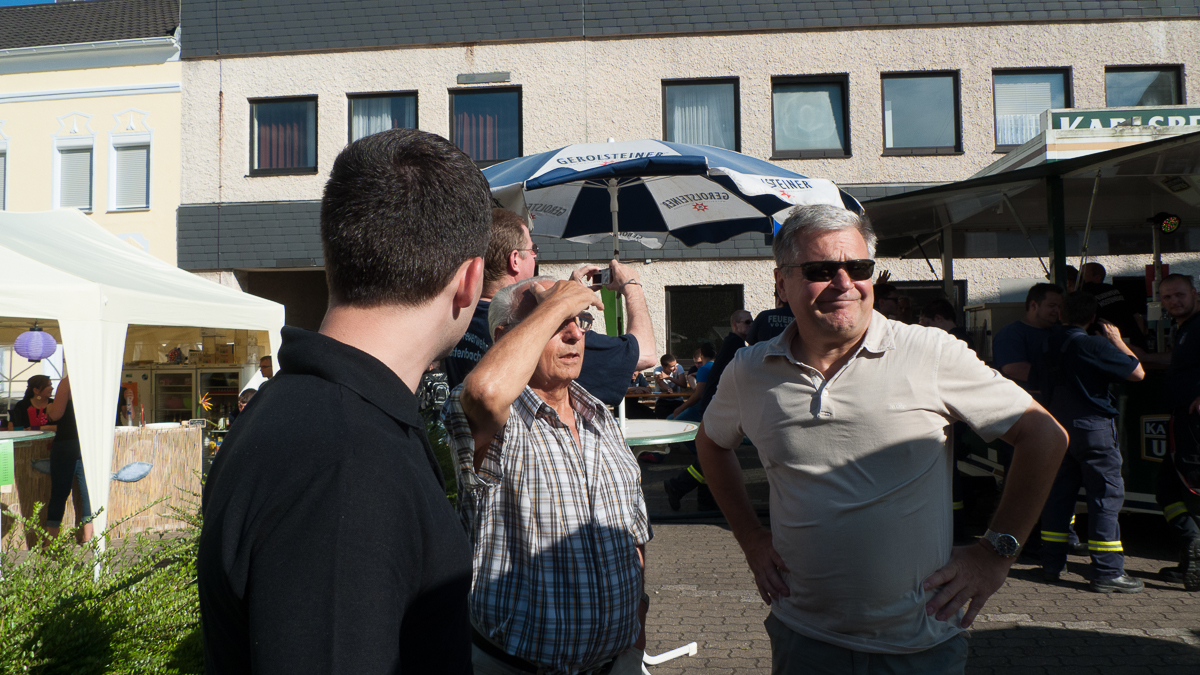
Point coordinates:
[(1017, 348), (511, 257), (769, 324), (1180, 505), (1080, 368)]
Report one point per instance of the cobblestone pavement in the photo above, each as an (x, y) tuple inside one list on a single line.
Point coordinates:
[(702, 591)]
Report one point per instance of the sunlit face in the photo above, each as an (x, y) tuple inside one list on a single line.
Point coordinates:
[(1178, 298), (562, 357), (1046, 313), (526, 259), (839, 308)]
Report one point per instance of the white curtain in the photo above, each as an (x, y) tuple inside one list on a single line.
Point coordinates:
[(373, 115), (808, 117), (1019, 106), (701, 114)]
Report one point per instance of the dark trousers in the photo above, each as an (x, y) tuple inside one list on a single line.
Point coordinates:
[(63, 455), (1093, 461), (1180, 507)]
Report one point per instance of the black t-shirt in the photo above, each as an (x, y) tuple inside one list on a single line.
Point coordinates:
[(1183, 376), (729, 347), (328, 544), (1081, 367), (65, 429), (19, 415), (769, 324), (608, 362), (1115, 309), (473, 345)]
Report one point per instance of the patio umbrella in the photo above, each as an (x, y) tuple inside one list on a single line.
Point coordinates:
[(645, 190)]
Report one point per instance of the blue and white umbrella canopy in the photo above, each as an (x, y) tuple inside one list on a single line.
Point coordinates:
[(644, 190)]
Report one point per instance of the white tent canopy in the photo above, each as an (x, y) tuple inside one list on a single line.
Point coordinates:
[(61, 265)]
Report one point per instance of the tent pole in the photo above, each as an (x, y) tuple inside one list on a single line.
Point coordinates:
[(1160, 326), (1056, 217), (612, 208), (1087, 228), (1024, 231), (948, 286)]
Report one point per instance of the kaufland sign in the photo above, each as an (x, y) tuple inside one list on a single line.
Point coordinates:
[(1109, 118)]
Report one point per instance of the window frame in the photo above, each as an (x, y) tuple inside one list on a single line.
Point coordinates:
[(1179, 80), (926, 151), (1068, 94), (116, 140), (72, 143), (841, 79), (454, 91), (737, 103), (293, 171), (351, 97), (4, 155)]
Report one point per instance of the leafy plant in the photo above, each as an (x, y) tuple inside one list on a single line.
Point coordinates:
[(139, 614)]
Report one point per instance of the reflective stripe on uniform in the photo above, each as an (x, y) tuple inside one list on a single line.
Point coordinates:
[(957, 506), (1057, 537), (697, 475), (1105, 546), (1173, 511)]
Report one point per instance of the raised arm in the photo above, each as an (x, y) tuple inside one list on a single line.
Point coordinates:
[(62, 396), (625, 280), (506, 368), (1114, 336)]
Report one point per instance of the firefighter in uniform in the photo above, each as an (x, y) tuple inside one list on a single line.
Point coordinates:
[(1179, 502), (1080, 368)]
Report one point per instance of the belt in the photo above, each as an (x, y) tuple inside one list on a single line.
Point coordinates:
[(488, 647)]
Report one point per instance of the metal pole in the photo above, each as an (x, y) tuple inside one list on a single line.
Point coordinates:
[(612, 208), (948, 286), (1160, 326), (1056, 218), (1087, 228), (1024, 231)]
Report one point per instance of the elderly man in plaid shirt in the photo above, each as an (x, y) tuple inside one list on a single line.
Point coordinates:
[(551, 496)]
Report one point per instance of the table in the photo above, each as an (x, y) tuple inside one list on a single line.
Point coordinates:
[(658, 432)]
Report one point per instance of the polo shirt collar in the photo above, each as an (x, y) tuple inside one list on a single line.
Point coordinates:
[(880, 337), (304, 352)]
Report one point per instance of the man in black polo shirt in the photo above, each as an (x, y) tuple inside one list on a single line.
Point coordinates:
[(1180, 505), (1114, 308), (328, 544)]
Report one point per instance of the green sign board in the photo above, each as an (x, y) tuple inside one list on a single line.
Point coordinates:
[(1124, 117)]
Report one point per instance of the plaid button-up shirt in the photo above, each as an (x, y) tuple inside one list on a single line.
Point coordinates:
[(555, 525)]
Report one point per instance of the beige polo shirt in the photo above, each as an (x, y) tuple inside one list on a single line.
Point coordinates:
[(859, 468)]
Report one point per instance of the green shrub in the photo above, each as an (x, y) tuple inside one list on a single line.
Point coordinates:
[(141, 614)]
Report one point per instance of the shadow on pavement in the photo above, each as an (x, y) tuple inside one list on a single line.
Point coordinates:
[(1063, 651)]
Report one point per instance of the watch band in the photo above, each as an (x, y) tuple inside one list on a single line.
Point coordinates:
[(1003, 545)]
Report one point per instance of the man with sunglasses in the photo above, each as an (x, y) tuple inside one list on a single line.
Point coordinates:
[(551, 497), (849, 412)]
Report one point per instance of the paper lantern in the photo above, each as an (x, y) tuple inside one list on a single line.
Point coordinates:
[(35, 344)]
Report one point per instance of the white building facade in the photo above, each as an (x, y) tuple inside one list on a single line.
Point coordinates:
[(881, 102)]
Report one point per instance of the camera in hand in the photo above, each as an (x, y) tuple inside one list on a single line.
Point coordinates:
[(602, 277)]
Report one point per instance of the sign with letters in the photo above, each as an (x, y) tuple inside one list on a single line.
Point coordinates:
[(1108, 118), (1154, 437)]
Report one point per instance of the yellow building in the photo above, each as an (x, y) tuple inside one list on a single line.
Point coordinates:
[(90, 114)]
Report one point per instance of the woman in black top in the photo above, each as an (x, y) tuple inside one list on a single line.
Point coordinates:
[(30, 411), (66, 463)]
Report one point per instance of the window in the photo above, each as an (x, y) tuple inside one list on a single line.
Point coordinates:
[(375, 113), (283, 136), (698, 314), (1020, 99), (131, 177), (486, 123), (702, 112), (920, 114), (1128, 87), (810, 117), (75, 177)]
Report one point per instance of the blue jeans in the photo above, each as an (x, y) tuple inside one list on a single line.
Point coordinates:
[(794, 654)]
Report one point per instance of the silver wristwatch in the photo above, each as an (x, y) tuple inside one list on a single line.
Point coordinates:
[(1004, 545)]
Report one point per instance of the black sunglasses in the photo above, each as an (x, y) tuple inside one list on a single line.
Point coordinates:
[(826, 270)]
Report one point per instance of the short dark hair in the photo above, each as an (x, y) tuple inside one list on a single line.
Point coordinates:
[(1038, 293), (1185, 278), (265, 358), (883, 290), (1072, 274), (666, 358), (708, 350), (1080, 308), (1097, 268), (403, 209), (507, 236), (246, 395), (940, 307)]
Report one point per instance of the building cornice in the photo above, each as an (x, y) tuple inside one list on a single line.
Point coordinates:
[(91, 92), (90, 46)]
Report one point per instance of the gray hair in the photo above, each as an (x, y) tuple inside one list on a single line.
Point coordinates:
[(506, 304), (807, 221)]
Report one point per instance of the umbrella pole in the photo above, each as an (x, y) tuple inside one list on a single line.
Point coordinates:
[(612, 208)]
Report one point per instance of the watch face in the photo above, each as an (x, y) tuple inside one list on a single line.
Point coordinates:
[(1005, 544)]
